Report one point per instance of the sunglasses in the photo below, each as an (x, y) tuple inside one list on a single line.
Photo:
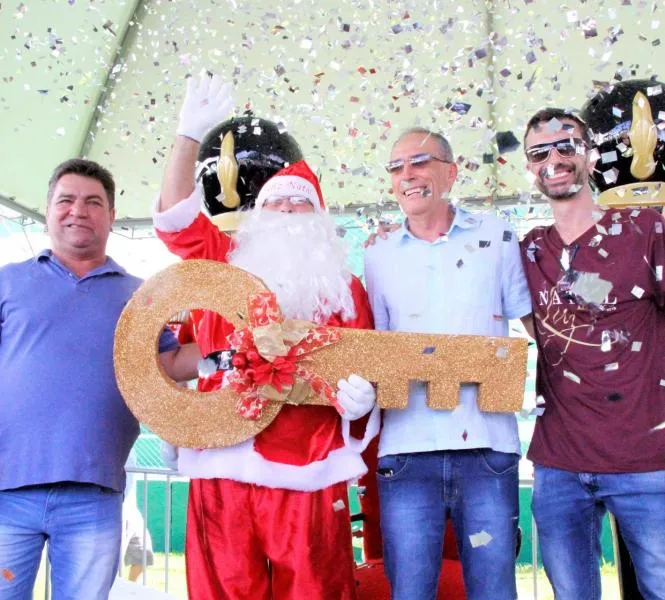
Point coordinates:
[(566, 148), (417, 160), (292, 200)]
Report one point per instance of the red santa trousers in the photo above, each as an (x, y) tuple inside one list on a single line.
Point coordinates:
[(250, 542)]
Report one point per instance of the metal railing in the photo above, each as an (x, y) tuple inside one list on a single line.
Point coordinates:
[(169, 476), (534, 544)]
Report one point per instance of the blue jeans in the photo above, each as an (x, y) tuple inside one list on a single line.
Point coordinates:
[(569, 508), (82, 524), (478, 489)]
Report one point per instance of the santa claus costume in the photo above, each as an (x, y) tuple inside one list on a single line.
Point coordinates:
[(268, 518)]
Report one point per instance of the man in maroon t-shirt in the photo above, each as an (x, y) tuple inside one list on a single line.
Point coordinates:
[(596, 280)]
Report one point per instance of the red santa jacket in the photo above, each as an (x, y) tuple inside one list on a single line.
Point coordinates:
[(305, 447)]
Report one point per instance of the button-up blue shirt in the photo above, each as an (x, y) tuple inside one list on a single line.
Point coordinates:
[(468, 281)]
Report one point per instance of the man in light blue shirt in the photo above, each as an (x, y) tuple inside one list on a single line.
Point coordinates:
[(452, 272)]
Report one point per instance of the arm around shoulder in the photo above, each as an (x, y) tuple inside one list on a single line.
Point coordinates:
[(527, 321), (363, 318), (515, 294)]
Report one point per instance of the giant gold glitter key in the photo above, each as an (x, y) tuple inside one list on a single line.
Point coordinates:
[(298, 362)]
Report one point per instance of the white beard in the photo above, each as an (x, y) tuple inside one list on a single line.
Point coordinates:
[(300, 257)]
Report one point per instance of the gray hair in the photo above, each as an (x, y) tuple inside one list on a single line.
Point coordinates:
[(443, 143)]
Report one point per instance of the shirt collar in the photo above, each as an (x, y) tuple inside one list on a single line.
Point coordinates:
[(110, 266), (462, 219)]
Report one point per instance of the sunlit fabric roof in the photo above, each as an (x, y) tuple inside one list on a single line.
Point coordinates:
[(105, 79)]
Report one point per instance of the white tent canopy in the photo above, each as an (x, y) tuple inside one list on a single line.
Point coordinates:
[(104, 79)]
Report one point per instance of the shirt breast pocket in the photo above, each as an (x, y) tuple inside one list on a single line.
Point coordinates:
[(407, 300), (476, 290)]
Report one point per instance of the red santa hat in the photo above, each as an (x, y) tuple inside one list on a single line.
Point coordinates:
[(295, 180)]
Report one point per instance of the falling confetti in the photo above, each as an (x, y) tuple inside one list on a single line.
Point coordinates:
[(591, 288), (553, 125), (8, 575), (611, 176), (502, 352), (403, 68), (506, 142), (571, 376), (480, 539), (539, 409), (608, 157)]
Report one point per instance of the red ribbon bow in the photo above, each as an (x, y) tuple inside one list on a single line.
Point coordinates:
[(254, 370)]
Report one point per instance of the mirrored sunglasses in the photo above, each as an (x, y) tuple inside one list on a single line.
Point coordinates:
[(277, 200), (566, 148), (417, 160)]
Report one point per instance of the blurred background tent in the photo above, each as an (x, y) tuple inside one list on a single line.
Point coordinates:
[(104, 79)]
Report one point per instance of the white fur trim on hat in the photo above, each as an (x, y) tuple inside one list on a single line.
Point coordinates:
[(289, 185)]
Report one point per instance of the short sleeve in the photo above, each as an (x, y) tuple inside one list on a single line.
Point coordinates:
[(515, 296)]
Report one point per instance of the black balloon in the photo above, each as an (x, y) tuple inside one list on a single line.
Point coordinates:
[(260, 151), (609, 114)]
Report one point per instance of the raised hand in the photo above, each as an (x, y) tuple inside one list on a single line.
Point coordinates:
[(207, 102)]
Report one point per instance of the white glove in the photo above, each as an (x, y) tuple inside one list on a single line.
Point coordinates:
[(169, 455), (207, 103), (356, 396)]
